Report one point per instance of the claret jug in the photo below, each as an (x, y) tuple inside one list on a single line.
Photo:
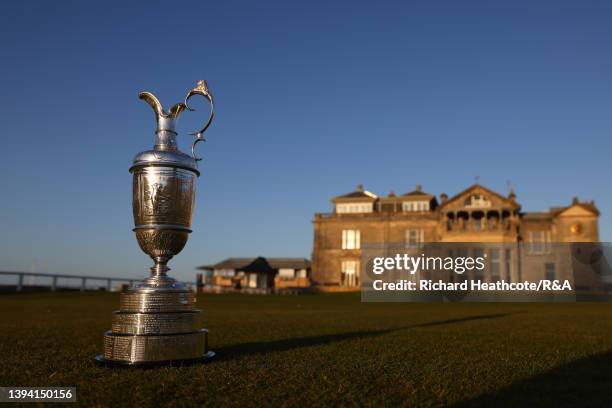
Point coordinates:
[(156, 321)]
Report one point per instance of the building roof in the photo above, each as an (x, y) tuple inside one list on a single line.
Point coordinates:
[(292, 263), (360, 193), (555, 211), (477, 186), (417, 194), (587, 205), (418, 191), (229, 263), (274, 263), (259, 265), (537, 215), (590, 206)]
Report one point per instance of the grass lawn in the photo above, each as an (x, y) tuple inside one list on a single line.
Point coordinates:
[(325, 350)]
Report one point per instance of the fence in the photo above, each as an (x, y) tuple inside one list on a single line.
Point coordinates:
[(53, 285)]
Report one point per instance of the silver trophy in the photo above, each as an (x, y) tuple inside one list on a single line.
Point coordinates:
[(156, 322)]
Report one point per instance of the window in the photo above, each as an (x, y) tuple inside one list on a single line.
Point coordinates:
[(286, 273), (348, 208), (539, 242), (549, 271), (349, 274), (351, 239), (477, 201), (414, 237), (252, 280), (415, 206), (508, 259), (226, 273), (478, 274), (262, 281), (495, 265)]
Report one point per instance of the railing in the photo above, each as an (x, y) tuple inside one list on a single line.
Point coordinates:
[(324, 215), (53, 286), (429, 214), (458, 227)]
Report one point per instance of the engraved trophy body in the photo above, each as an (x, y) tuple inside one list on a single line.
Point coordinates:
[(156, 322)]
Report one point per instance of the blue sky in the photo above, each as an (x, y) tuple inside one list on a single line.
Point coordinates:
[(312, 98)]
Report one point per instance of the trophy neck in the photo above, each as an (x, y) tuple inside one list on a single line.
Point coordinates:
[(165, 134)]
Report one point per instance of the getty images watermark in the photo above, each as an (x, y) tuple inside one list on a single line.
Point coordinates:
[(486, 272)]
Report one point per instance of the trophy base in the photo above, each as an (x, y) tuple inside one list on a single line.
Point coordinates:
[(101, 361), (155, 327)]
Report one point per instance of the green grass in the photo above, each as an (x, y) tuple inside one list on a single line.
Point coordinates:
[(325, 350)]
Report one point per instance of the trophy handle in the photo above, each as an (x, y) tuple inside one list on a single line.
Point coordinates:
[(200, 89)]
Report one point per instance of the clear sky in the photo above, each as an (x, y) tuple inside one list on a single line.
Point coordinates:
[(313, 98)]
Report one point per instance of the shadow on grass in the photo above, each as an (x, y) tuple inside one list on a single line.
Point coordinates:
[(582, 383), (247, 349)]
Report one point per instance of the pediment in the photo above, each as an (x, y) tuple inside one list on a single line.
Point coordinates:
[(478, 197), (576, 211)]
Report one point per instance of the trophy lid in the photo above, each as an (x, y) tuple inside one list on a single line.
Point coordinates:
[(166, 152), (169, 158)]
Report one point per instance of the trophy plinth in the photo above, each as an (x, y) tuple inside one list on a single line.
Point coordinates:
[(154, 327), (157, 321)]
